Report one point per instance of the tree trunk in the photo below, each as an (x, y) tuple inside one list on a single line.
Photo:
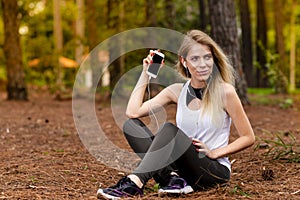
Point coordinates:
[(261, 46), (79, 31), (246, 49), (169, 13), (281, 85), (293, 48), (16, 86), (58, 45), (92, 16), (117, 67), (151, 20), (280, 47), (189, 10), (224, 32), (151, 13), (203, 14)]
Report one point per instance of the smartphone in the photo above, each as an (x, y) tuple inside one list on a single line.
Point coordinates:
[(154, 67)]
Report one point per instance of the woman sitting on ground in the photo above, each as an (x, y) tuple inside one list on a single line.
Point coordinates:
[(192, 154)]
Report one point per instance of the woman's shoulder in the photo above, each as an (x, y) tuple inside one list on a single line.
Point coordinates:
[(175, 90), (228, 90), (229, 94), (176, 87)]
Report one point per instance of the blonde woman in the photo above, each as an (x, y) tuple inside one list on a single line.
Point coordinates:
[(192, 154)]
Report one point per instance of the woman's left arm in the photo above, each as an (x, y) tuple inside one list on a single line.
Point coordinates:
[(234, 108)]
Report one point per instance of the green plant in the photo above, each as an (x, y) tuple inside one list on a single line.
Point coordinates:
[(33, 179), (155, 187), (238, 190), (276, 78), (148, 190), (263, 96), (2, 73), (283, 147), (260, 91), (286, 103)]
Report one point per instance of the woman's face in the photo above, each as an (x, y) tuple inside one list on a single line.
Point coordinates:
[(200, 62)]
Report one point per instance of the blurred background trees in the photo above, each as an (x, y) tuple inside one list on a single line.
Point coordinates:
[(16, 86), (51, 37)]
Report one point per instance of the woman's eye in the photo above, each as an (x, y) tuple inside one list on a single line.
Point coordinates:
[(195, 58), (207, 57)]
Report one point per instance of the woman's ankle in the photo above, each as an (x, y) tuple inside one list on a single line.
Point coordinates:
[(136, 180)]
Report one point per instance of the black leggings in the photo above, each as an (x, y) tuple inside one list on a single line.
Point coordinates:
[(171, 150)]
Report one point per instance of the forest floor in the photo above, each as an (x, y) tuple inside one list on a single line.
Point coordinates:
[(43, 157)]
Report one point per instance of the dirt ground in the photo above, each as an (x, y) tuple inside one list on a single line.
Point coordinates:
[(42, 156)]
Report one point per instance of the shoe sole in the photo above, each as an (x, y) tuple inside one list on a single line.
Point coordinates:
[(185, 190), (100, 194)]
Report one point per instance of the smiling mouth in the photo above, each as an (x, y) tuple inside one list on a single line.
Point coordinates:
[(202, 73)]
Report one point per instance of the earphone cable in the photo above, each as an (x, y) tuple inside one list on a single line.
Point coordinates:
[(149, 97)]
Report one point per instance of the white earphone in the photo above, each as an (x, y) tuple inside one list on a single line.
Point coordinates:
[(184, 64)]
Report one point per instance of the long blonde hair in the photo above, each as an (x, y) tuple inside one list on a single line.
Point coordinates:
[(212, 103)]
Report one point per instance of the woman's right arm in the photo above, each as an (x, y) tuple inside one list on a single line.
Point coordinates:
[(136, 107)]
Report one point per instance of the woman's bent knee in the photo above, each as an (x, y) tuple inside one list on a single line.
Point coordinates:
[(168, 126), (130, 123)]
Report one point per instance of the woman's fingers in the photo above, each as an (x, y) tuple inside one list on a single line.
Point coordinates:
[(148, 60), (200, 146), (197, 142), (151, 52)]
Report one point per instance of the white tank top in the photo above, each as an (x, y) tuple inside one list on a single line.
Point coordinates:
[(192, 125)]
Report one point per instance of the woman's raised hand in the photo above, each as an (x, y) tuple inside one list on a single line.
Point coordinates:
[(148, 60)]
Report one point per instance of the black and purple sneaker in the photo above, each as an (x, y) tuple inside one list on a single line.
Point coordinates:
[(176, 185), (124, 188)]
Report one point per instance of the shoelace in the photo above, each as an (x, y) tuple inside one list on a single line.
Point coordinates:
[(176, 181), (121, 183)]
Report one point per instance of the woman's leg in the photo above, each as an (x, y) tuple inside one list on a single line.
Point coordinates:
[(138, 136), (171, 145), (164, 150), (140, 139), (200, 171)]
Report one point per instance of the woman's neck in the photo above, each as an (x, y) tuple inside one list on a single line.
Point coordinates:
[(198, 84)]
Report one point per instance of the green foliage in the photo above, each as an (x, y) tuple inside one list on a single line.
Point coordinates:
[(156, 187), (37, 38), (33, 179), (276, 78), (49, 76), (263, 96), (2, 73), (260, 91), (263, 100), (148, 190), (297, 91), (238, 190), (287, 103), (282, 146)]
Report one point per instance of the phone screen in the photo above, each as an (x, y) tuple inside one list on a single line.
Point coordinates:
[(155, 65)]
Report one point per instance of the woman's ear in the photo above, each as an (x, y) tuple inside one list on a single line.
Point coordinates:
[(183, 62)]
